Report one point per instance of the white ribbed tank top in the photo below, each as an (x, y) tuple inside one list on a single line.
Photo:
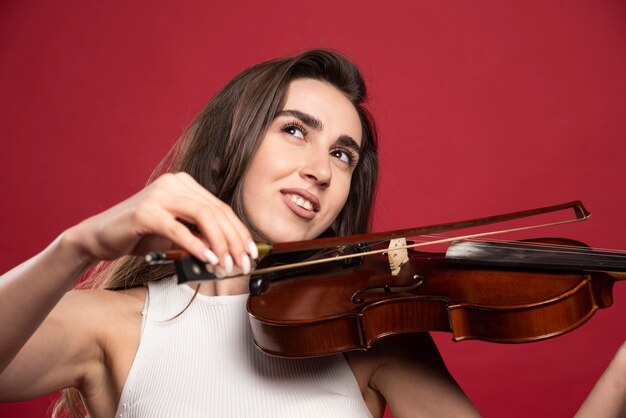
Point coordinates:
[(204, 364)]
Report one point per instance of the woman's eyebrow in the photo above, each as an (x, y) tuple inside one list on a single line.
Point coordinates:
[(309, 120), (349, 142), (316, 124)]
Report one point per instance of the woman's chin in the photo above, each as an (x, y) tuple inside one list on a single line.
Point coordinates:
[(289, 234)]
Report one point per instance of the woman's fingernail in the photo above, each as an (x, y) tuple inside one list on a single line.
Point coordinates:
[(228, 263), (245, 264), (254, 252), (211, 257)]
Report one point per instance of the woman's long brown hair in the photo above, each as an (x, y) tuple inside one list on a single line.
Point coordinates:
[(216, 150)]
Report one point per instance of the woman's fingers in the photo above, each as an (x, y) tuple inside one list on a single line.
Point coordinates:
[(227, 238), (181, 236), (164, 209), (234, 232), (217, 230), (235, 222)]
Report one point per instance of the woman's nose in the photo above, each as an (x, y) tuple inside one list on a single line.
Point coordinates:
[(317, 168)]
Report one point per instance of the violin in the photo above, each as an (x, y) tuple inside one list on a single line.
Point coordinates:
[(376, 286)]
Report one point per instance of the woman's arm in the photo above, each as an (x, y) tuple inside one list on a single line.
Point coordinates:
[(148, 221), (31, 290), (410, 375), (408, 372), (608, 397)]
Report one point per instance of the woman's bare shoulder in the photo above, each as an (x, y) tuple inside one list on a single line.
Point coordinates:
[(113, 319), (105, 315), (85, 303), (87, 333), (104, 297)]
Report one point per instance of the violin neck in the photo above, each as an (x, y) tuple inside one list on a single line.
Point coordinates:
[(537, 256)]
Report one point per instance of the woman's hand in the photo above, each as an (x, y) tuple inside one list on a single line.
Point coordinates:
[(151, 221), (35, 316)]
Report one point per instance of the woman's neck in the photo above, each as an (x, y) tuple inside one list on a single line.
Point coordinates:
[(235, 286)]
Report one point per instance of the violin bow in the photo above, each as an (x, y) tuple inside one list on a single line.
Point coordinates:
[(580, 212), (196, 271)]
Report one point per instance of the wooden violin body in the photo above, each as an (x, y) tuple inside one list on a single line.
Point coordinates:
[(351, 308), (506, 292)]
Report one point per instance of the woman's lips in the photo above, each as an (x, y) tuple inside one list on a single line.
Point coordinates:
[(301, 203)]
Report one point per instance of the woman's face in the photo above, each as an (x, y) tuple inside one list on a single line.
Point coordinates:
[(299, 179)]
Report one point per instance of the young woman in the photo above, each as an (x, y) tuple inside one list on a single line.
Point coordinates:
[(282, 153)]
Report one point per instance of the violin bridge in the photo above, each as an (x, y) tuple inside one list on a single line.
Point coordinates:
[(398, 255)]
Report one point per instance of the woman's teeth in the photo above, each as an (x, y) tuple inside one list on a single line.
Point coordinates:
[(300, 201)]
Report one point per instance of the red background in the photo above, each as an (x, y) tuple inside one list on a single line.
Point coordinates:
[(483, 107)]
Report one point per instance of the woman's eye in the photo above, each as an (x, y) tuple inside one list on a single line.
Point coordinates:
[(343, 156), (294, 130)]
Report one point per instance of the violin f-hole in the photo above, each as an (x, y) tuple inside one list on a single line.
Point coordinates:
[(386, 290)]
